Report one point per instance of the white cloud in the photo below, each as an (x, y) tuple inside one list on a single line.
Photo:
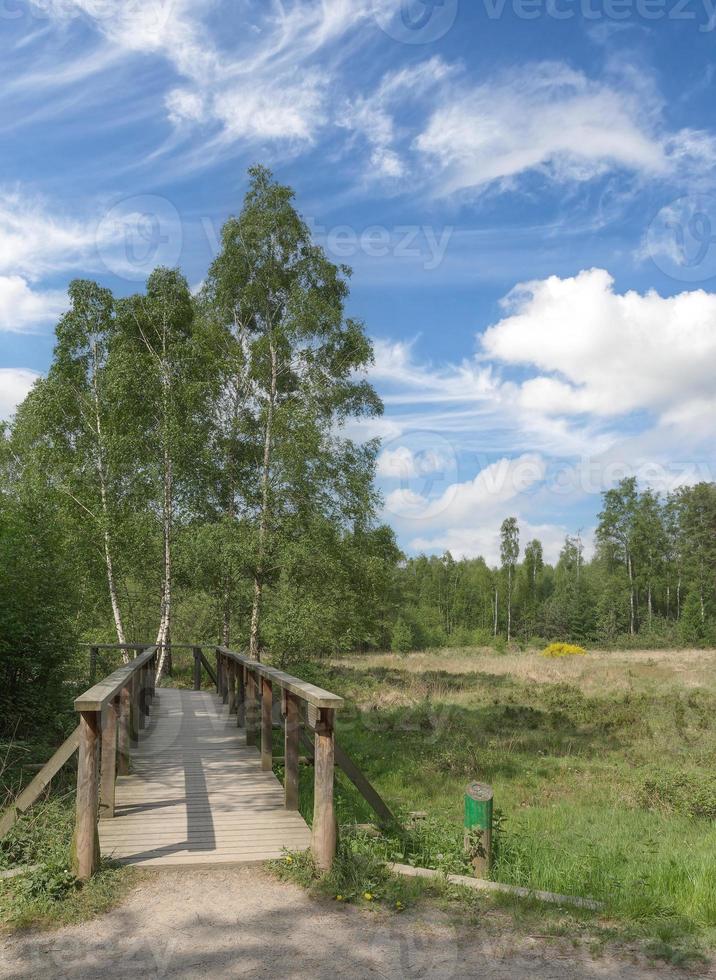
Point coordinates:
[(403, 463), (22, 309), (606, 353), (35, 241), (484, 540), (265, 84), (480, 499), (543, 116), (14, 386)]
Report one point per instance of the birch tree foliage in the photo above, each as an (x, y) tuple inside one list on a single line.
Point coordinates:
[(161, 389), (69, 428), (280, 296)]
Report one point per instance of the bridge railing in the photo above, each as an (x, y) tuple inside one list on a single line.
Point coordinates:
[(112, 713), (247, 687)]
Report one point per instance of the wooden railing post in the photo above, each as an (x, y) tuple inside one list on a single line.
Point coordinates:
[(85, 847), (323, 838), (218, 672), (292, 730), (266, 723), (141, 697), (109, 758), (231, 671), (124, 735), (251, 708), (225, 679), (197, 668), (93, 655), (133, 709), (240, 695)]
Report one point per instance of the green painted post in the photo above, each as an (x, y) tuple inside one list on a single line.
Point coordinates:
[(478, 827)]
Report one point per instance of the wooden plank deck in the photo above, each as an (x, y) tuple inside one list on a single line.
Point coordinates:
[(197, 794)]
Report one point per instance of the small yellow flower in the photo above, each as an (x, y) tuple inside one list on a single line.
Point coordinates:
[(399, 906), (367, 896), (289, 859), (339, 898)]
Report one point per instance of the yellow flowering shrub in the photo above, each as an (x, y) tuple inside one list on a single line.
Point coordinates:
[(563, 650)]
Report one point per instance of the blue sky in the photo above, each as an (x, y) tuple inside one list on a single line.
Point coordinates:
[(524, 189)]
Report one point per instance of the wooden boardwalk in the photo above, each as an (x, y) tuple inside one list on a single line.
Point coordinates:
[(197, 794)]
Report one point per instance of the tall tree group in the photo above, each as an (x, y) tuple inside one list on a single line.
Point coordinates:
[(194, 447)]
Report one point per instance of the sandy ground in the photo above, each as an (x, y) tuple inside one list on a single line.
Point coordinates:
[(241, 922)]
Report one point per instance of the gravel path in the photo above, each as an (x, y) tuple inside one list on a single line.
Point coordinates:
[(241, 922)]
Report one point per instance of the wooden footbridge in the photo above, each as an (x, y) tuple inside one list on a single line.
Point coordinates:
[(185, 777), (168, 776)]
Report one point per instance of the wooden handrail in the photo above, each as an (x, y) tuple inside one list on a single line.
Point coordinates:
[(303, 689), (246, 686), (100, 694), (112, 713)]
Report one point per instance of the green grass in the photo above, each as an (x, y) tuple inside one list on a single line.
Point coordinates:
[(603, 789), (50, 895)]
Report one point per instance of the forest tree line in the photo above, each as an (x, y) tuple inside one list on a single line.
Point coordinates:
[(184, 472), (652, 579)]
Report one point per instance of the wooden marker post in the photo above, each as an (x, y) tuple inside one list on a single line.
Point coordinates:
[(478, 827)]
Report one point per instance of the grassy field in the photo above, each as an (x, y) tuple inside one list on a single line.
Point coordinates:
[(603, 769)]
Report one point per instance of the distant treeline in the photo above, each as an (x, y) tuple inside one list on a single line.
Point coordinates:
[(653, 576)]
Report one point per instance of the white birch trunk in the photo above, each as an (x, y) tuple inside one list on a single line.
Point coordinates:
[(254, 641)]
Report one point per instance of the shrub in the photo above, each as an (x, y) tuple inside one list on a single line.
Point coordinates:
[(563, 650), (401, 639)]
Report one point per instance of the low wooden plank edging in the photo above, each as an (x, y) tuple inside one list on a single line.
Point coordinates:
[(26, 869), (481, 884), (33, 789)]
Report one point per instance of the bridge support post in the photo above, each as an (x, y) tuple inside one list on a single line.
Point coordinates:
[(197, 668), (85, 845), (292, 730), (109, 758), (123, 735), (266, 723), (324, 834)]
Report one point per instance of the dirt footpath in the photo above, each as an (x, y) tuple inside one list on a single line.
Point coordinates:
[(241, 922)]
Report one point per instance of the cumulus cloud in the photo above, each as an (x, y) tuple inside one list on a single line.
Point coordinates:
[(22, 309), (484, 541), (403, 463), (603, 352), (35, 241), (477, 500), (14, 386)]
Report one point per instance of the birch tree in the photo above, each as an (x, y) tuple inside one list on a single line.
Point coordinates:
[(159, 379), (75, 424), (277, 291), (509, 553)]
